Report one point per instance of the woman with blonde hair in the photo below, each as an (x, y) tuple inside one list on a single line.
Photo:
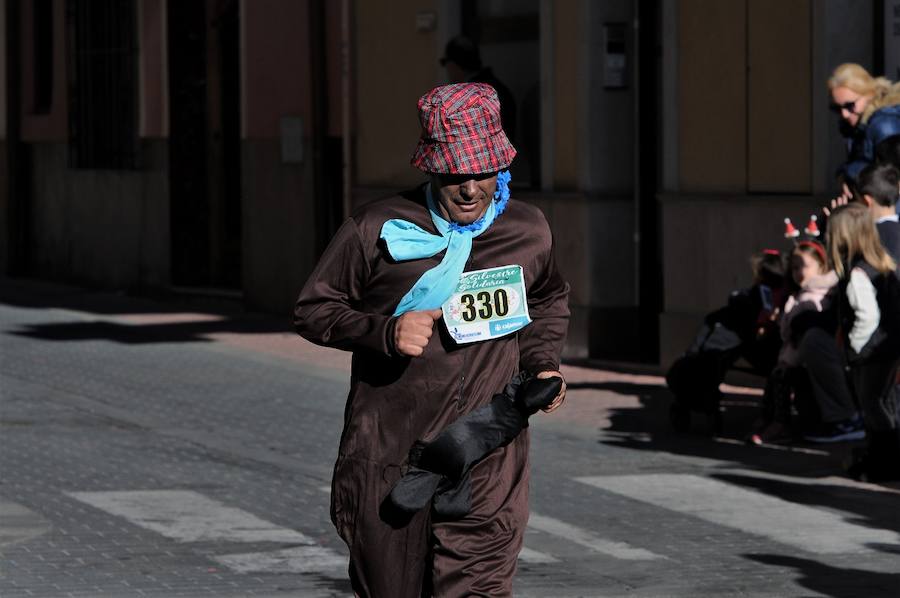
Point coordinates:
[(869, 108), (869, 312)]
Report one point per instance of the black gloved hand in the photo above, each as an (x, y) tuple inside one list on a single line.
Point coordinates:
[(442, 464)]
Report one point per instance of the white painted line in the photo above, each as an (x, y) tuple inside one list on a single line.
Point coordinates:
[(619, 550), (527, 555), (187, 516), (826, 480), (301, 559), (774, 447), (811, 529)]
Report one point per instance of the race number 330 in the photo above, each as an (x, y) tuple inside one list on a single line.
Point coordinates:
[(487, 304), (484, 305)]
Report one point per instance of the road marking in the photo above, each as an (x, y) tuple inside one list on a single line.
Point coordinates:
[(811, 529), (300, 559), (526, 555), (619, 550), (187, 516), (20, 524)]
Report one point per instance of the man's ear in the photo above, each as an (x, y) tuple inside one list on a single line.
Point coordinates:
[(868, 200)]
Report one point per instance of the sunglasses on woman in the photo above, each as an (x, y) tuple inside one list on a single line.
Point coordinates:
[(848, 106)]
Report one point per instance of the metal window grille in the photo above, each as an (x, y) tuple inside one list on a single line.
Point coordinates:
[(103, 111)]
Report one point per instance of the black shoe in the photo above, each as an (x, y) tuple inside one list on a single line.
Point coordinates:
[(880, 462), (874, 470), (851, 429)]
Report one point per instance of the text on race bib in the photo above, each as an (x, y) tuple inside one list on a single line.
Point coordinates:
[(487, 304)]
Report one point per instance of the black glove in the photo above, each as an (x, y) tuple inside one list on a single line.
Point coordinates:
[(441, 467)]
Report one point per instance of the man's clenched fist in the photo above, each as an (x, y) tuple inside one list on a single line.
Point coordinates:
[(413, 330)]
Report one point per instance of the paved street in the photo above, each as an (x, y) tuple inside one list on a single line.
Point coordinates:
[(155, 448)]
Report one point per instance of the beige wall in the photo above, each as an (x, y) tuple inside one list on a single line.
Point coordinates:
[(568, 16), (779, 90), (712, 95), (744, 96), (51, 126), (744, 145), (152, 70), (394, 66)]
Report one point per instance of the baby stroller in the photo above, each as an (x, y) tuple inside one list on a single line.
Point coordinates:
[(746, 327)]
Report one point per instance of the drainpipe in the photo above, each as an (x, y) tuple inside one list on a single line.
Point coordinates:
[(346, 109), (17, 232)]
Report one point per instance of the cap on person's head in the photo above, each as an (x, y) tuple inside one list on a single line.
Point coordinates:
[(463, 52), (461, 131)]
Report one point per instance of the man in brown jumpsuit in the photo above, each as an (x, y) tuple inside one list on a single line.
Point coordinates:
[(410, 379)]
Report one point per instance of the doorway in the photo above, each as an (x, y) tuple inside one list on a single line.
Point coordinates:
[(508, 36), (204, 143)]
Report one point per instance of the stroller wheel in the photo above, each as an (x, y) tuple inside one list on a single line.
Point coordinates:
[(680, 418)]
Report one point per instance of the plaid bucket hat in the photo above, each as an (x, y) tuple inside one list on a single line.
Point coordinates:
[(461, 131)]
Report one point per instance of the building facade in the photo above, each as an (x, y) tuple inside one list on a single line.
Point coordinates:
[(217, 144)]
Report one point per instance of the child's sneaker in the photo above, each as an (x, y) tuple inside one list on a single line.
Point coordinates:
[(850, 429), (774, 433)]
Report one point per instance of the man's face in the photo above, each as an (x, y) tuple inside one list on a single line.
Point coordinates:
[(463, 198)]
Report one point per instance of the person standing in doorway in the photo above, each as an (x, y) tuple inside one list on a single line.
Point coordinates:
[(462, 59)]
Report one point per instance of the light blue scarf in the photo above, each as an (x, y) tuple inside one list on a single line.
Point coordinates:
[(406, 241)]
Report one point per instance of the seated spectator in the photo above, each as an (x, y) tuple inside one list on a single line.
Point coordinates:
[(888, 152), (869, 108), (813, 284), (462, 59), (746, 327), (869, 306), (879, 186)]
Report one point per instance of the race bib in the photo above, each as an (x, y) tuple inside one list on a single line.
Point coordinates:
[(487, 304)]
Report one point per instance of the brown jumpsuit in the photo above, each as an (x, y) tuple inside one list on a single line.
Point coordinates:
[(348, 303)]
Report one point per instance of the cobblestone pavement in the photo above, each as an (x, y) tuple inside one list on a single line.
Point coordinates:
[(155, 449)]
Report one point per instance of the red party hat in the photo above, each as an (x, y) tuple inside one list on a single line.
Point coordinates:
[(789, 231), (812, 229)]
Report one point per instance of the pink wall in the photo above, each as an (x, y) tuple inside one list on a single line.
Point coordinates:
[(3, 60), (52, 126), (275, 68), (154, 104)]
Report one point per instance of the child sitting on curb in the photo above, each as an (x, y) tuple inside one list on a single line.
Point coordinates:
[(869, 311), (813, 283)]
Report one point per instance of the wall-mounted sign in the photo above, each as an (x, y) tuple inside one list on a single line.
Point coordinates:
[(426, 21), (291, 128), (615, 57)]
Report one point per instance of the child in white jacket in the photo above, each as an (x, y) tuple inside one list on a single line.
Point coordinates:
[(870, 319)]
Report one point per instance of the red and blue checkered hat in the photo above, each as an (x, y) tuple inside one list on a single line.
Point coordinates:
[(461, 131)]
